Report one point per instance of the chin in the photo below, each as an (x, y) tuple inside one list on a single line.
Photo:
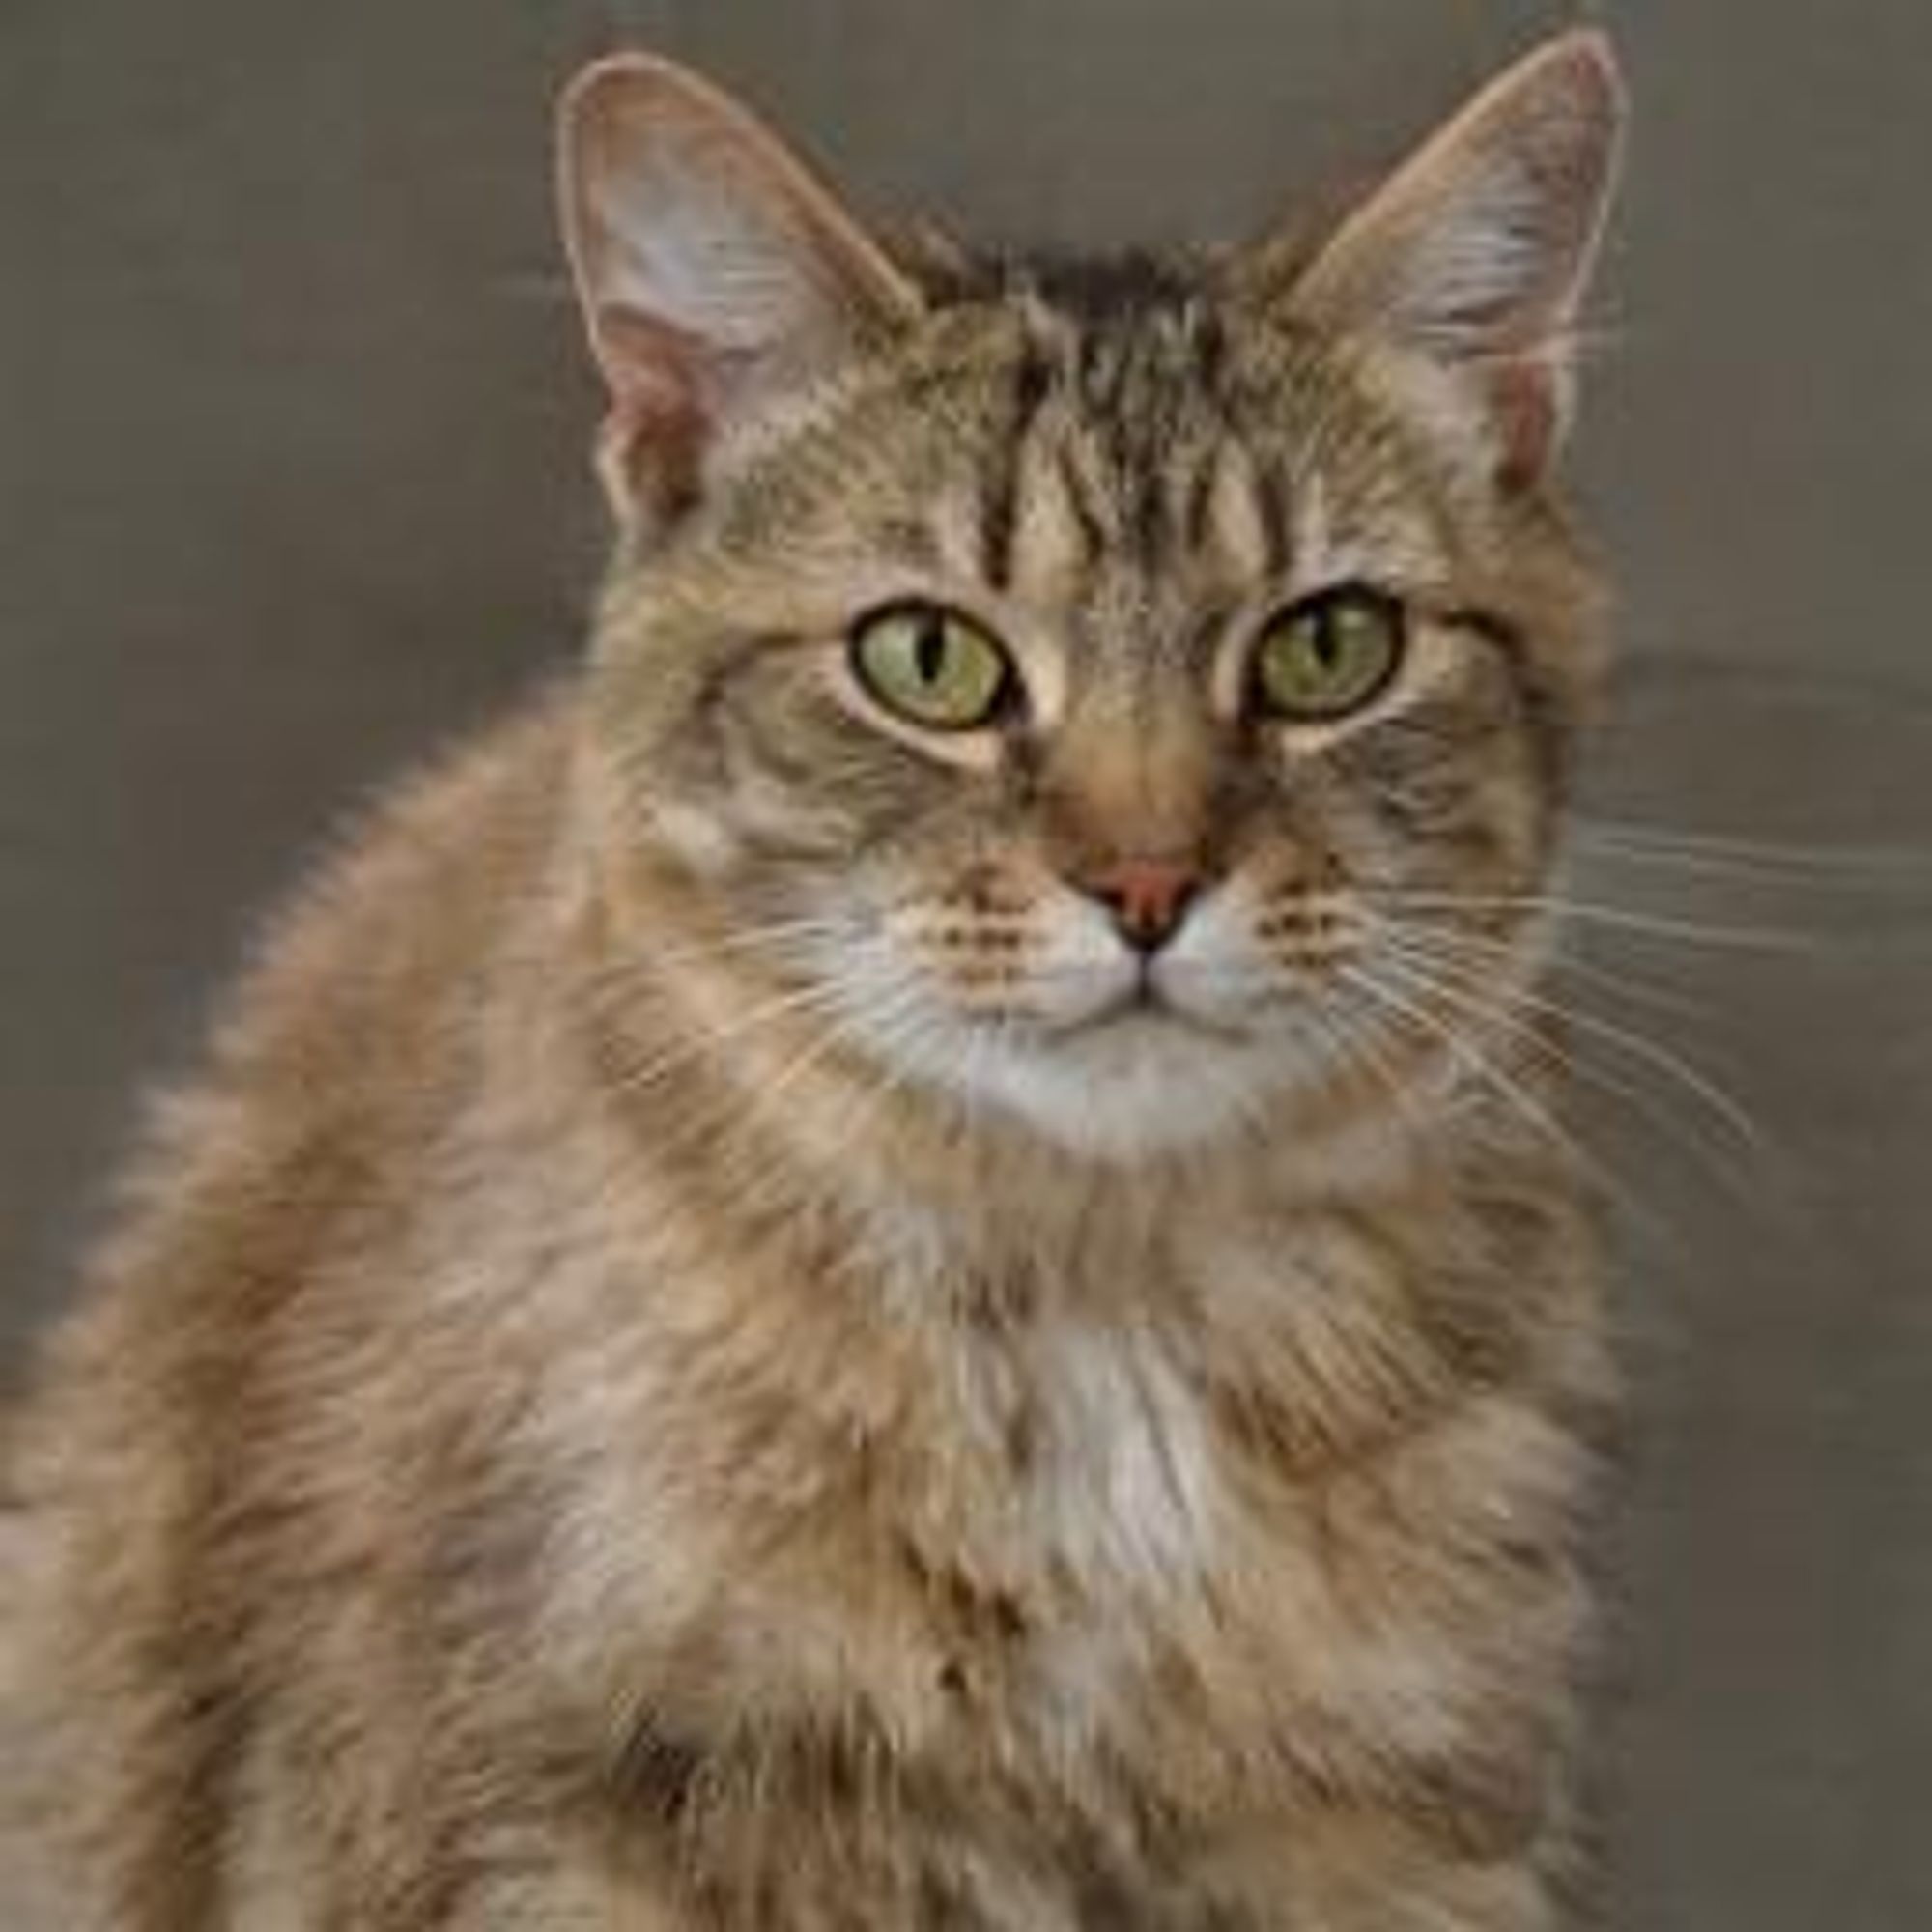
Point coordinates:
[(1130, 1089)]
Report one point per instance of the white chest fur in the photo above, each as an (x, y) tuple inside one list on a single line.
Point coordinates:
[(1122, 1490)]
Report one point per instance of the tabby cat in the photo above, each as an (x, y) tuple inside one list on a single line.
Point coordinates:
[(900, 1261)]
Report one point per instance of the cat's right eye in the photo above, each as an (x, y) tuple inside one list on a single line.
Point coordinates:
[(932, 666)]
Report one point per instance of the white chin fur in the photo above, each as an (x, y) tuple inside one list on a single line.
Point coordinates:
[(1122, 1092), (1125, 1090), (1139, 1088)]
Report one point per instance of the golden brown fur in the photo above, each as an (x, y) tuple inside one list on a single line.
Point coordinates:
[(593, 1421)]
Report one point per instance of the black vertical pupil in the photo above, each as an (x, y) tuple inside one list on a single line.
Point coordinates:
[(1326, 640), (930, 648)]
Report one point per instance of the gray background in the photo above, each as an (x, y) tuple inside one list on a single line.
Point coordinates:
[(292, 421)]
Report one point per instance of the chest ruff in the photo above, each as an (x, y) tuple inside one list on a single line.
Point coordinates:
[(1289, 1543)]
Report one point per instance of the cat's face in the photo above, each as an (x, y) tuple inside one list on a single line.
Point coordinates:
[(1088, 692)]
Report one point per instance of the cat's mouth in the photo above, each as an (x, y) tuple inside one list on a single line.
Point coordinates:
[(1145, 1005)]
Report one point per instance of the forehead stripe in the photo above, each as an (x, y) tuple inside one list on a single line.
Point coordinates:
[(999, 502)]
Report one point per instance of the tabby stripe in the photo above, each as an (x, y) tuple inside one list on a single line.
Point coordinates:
[(999, 504), (1271, 511), (1079, 503)]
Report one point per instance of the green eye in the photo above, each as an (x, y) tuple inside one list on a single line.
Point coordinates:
[(1329, 654), (931, 666)]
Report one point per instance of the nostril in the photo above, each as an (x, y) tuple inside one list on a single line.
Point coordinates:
[(1146, 897)]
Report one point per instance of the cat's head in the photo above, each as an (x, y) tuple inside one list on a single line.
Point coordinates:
[(1121, 697)]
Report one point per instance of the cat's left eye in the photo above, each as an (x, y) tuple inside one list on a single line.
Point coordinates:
[(931, 666), (1329, 654)]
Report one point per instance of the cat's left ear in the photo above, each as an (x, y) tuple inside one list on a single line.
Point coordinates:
[(714, 269), (1477, 251)]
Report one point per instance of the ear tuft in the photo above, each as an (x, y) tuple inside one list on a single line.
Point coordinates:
[(713, 269), (1478, 250)]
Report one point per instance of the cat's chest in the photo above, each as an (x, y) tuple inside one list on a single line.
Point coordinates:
[(1149, 1530), (1044, 1584), (1088, 1565), (1089, 1463), (1128, 1452), (1077, 1534)]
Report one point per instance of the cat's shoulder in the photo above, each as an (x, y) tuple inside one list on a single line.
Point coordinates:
[(415, 885)]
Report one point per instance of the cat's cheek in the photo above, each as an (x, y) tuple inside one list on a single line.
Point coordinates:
[(695, 839)]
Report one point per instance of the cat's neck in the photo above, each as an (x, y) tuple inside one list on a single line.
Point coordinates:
[(939, 1189)]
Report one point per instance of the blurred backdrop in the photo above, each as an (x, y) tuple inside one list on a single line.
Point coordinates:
[(291, 487)]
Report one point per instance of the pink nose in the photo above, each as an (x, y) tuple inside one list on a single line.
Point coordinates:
[(1148, 898)]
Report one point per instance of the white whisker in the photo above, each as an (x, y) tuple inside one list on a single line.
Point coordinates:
[(1466, 1054), (1655, 926), (774, 939), (1479, 978), (1356, 1047), (804, 1000), (1485, 953), (1855, 867)]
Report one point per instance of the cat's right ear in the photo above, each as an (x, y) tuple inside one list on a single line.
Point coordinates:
[(712, 268)]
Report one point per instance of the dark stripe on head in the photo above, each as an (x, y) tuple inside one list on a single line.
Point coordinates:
[(1096, 290), (1145, 485), (1198, 497), (999, 504), (1080, 503), (1272, 511), (1207, 337)]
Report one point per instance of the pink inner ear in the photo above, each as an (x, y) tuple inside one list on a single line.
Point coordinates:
[(1528, 414), (653, 439)]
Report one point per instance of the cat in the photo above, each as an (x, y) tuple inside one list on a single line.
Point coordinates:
[(903, 1259)]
